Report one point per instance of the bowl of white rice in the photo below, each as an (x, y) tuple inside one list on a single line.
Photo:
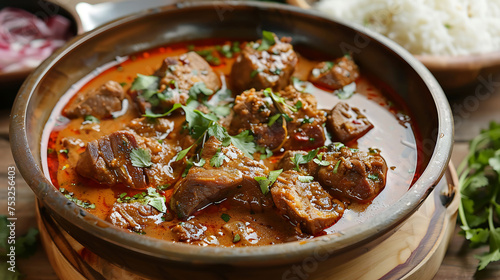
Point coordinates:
[(457, 40)]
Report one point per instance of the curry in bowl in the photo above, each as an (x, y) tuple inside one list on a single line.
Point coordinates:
[(231, 143)]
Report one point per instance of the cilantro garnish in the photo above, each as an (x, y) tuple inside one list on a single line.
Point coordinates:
[(306, 179), (336, 168), (373, 177), (236, 238), (273, 119), (479, 185), (81, 203), (255, 72), (199, 88), (266, 182), (319, 160), (149, 197), (299, 159), (267, 40), (225, 217), (218, 159), (90, 119), (279, 101), (140, 158), (143, 82)]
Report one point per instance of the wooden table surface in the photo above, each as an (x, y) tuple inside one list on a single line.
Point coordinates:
[(471, 111)]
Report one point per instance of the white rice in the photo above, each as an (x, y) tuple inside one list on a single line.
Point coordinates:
[(439, 27)]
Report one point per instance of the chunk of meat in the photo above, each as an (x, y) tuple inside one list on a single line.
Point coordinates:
[(287, 163), (305, 203), (345, 172), (353, 174), (186, 70), (260, 69), (99, 102), (107, 160), (300, 125), (189, 231), (233, 179), (346, 123), (177, 75), (133, 216), (158, 128), (335, 75), (241, 232)]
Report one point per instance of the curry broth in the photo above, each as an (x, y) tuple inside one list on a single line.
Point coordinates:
[(393, 135)]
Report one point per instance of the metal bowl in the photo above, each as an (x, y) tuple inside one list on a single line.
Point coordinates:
[(155, 258)]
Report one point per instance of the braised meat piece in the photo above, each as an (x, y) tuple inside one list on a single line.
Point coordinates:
[(133, 216), (258, 67), (287, 118), (241, 232), (233, 179), (335, 75), (346, 123), (177, 76), (189, 231), (108, 160), (344, 172), (353, 174), (99, 102), (159, 128), (305, 202)]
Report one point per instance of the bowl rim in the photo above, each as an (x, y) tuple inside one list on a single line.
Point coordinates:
[(297, 250)]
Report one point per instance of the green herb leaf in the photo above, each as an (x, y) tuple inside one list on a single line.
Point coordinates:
[(306, 179), (218, 159), (266, 182), (267, 41), (225, 217), (299, 159), (90, 119), (150, 114), (244, 142), (236, 238), (199, 88), (143, 82), (140, 158), (479, 184), (273, 119), (183, 153)]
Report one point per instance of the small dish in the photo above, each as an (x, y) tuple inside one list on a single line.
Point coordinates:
[(455, 74)]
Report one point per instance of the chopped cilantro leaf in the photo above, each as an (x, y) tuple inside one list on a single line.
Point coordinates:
[(218, 159), (273, 119), (336, 168), (373, 177), (183, 153), (266, 182), (90, 119), (306, 179), (267, 41), (236, 238), (255, 72), (199, 88), (140, 158), (225, 217), (143, 82), (299, 159)]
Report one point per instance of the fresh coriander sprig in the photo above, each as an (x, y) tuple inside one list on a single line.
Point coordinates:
[(479, 184)]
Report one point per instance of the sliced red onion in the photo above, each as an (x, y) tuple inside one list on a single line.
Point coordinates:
[(26, 40)]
